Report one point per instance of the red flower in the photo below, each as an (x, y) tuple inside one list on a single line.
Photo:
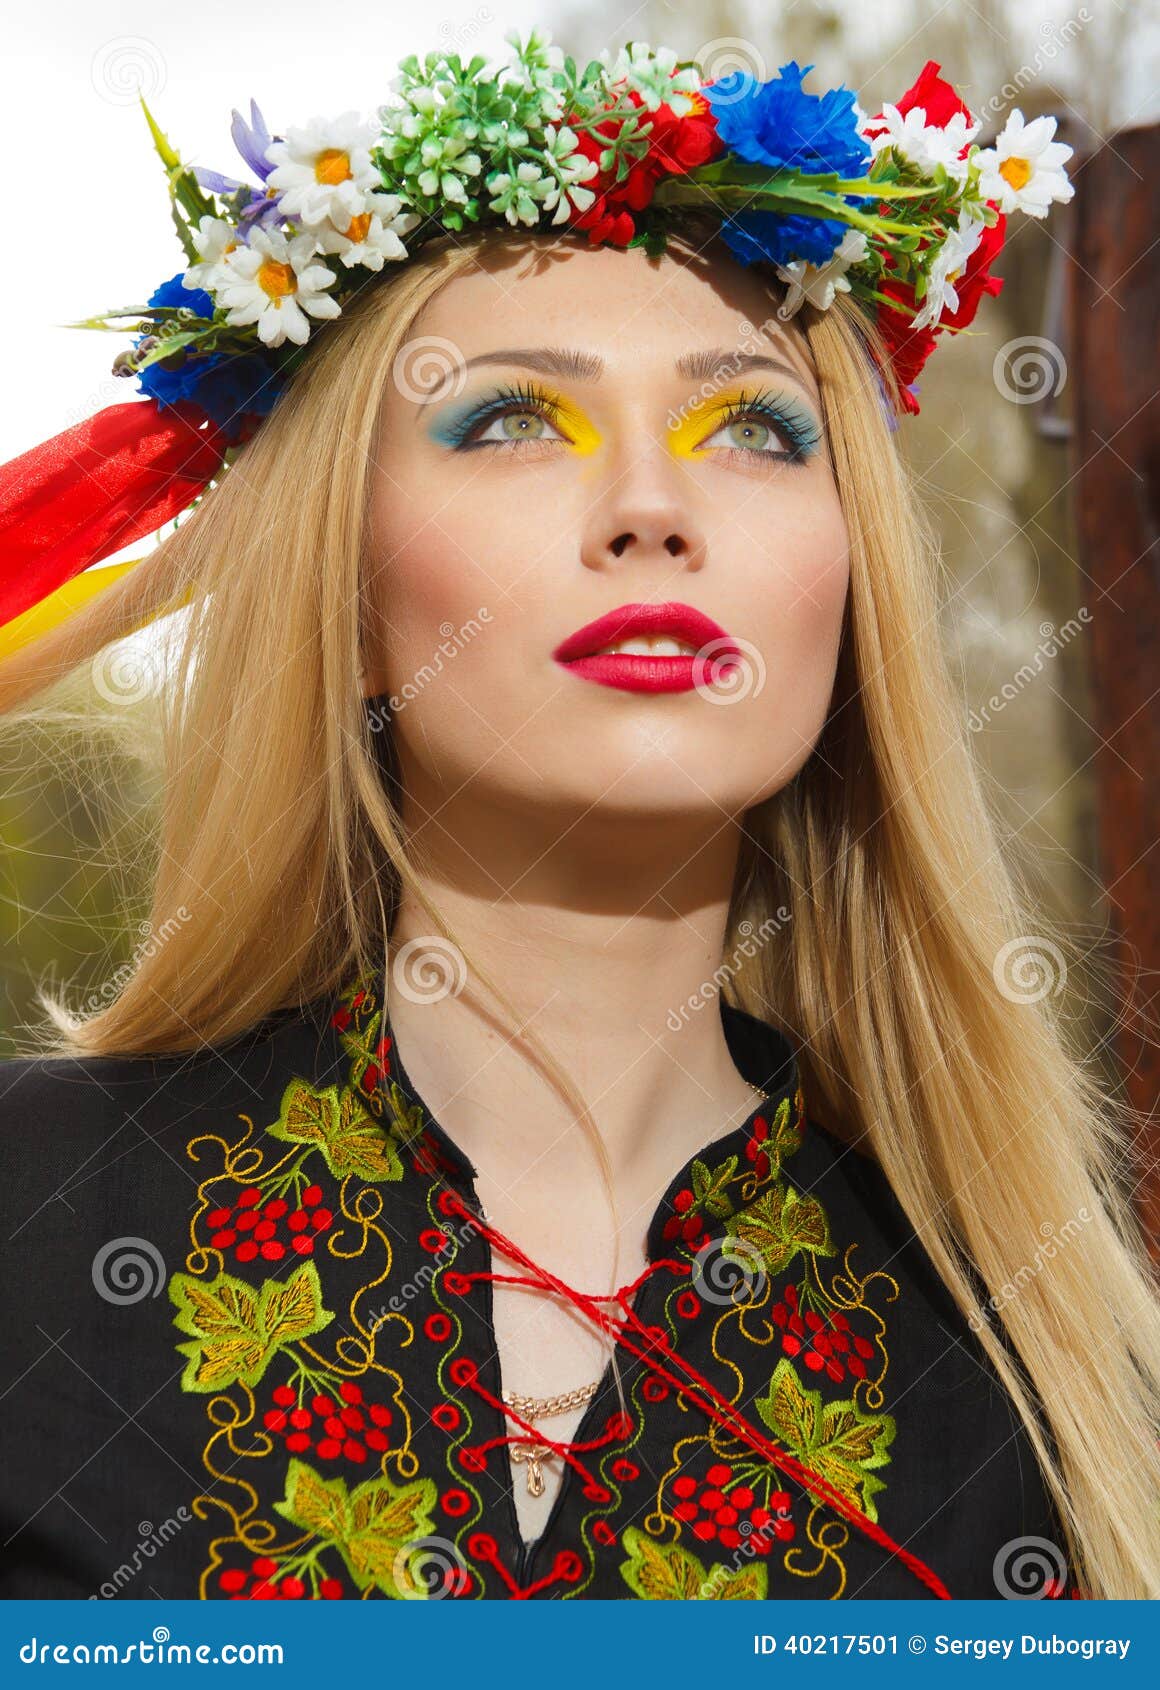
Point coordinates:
[(936, 97), (910, 348), (676, 145)]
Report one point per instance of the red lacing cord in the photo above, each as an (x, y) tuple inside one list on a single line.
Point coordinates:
[(717, 1407)]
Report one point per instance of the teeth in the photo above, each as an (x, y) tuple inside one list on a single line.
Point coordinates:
[(649, 645)]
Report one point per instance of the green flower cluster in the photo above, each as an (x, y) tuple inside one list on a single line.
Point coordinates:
[(466, 141)]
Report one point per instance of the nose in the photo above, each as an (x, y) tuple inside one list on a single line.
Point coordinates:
[(643, 515)]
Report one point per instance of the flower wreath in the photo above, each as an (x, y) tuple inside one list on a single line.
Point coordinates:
[(904, 211)]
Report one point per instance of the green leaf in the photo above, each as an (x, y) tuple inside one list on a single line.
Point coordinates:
[(335, 1120), (407, 1119), (709, 1188), (235, 1329), (780, 1223), (172, 344), (836, 1440), (373, 1526), (667, 1572)]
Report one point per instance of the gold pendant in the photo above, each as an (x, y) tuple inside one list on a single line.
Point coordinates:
[(532, 1455)]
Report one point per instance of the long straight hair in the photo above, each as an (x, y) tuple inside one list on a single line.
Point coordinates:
[(281, 862)]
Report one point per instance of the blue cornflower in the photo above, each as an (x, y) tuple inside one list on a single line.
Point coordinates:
[(779, 124), (225, 387), (767, 235)]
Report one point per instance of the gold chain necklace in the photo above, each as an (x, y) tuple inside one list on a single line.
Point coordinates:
[(542, 1408)]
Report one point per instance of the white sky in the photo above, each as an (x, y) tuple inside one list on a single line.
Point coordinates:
[(95, 232), (91, 229)]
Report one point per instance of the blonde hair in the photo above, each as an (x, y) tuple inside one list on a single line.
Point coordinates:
[(276, 819)]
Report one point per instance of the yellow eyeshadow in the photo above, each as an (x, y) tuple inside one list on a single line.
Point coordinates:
[(686, 434), (584, 438)]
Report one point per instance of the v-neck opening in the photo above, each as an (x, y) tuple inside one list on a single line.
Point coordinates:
[(766, 1060), (761, 1053)]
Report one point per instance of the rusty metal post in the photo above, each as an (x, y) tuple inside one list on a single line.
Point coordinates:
[(1114, 320)]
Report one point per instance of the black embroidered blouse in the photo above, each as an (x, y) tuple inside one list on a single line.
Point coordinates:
[(249, 1354)]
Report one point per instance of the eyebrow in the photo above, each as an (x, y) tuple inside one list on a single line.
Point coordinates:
[(588, 366)]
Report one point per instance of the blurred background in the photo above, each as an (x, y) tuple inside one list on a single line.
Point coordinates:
[(1036, 447)]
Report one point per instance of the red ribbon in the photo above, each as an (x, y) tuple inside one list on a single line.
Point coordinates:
[(84, 494)]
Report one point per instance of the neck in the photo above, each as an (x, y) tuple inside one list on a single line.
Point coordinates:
[(604, 936)]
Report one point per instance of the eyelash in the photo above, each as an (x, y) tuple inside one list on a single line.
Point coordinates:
[(505, 402), (780, 413)]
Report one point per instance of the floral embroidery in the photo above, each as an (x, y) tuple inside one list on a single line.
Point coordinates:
[(301, 1320)]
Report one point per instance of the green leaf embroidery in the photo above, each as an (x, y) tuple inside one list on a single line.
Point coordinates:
[(336, 1121), (836, 1440), (407, 1119), (667, 1572), (235, 1329), (709, 1188), (780, 1223), (370, 1526)]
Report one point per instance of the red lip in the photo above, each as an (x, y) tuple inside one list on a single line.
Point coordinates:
[(637, 673)]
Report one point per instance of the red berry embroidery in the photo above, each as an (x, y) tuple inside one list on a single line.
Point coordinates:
[(261, 1582), (824, 1343), (273, 1231), (355, 1430), (718, 1511)]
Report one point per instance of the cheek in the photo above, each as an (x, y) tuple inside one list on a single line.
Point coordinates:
[(430, 568), (806, 576)]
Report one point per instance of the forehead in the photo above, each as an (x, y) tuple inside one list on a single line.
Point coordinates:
[(679, 317)]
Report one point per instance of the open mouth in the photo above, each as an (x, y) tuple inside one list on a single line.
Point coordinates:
[(649, 648)]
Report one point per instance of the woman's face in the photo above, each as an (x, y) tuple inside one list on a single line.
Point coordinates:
[(587, 448)]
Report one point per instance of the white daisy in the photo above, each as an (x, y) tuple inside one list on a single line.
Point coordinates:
[(924, 144), (325, 170), (371, 238), (213, 238), (947, 268), (1024, 171), (818, 283), (272, 282)]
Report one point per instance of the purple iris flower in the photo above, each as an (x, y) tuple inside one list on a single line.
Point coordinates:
[(251, 140)]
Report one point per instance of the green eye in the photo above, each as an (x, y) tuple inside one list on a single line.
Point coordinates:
[(517, 422), (776, 429), (523, 425), (750, 433)]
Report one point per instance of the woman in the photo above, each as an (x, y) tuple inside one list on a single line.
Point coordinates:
[(564, 1137)]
